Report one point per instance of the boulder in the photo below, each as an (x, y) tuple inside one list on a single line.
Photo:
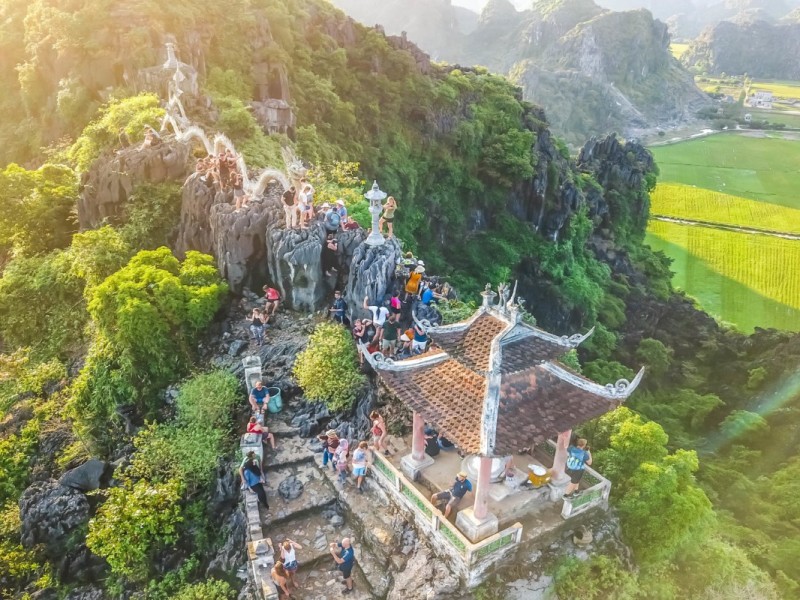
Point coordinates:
[(80, 565), (194, 230), (231, 554), (294, 257), (91, 475), (107, 185), (372, 270), (290, 488), (49, 513), (86, 593)]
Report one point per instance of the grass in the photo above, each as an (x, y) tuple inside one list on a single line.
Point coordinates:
[(765, 169), (781, 89), (776, 116), (697, 204), (745, 279), (678, 50)]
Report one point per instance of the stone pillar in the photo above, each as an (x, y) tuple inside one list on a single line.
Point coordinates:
[(558, 476), (412, 464), (477, 523)]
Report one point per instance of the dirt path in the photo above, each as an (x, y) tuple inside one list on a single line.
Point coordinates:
[(724, 227)]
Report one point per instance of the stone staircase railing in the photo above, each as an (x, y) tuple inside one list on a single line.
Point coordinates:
[(469, 560)]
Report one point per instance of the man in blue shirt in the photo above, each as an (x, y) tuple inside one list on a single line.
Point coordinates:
[(577, 458), (338, 308), (345, 558), (259, 396), (454, 495)]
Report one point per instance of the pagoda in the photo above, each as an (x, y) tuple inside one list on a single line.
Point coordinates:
[(492, 384)]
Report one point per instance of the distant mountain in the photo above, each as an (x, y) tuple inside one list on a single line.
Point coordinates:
[(758, 48), (594, 71)]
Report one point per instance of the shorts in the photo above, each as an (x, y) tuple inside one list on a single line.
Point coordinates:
[(418, 346), (388, 219), (291, 566), (359, 471), (575, 476), (346, 570), (388, 344), (447, 496)]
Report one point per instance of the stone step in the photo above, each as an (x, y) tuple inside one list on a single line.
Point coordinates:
[(289, 451), (317, 493)]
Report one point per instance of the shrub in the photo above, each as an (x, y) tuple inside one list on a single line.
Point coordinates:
[(327, 369), (152, 213), (213, 589), (453, 311), (133, 523), (600, 577), (655, 355)]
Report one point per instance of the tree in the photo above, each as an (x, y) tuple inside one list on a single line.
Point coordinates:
[(634, 443), (655, 355), (600, 577), (743, 424), (134, 521), (327, 369)]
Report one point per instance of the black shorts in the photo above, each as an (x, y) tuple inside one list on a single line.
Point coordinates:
[(346, 570), (575, 476)]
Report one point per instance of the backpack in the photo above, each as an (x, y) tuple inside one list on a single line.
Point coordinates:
[(334, 219)]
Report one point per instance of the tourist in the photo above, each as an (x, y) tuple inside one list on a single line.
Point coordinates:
[(341, 459), (420, 339), (257, 326), (428, 295), (444, 443), (338, 308), (329, 251), (379, 315), (259, 396), (281, 578), (454, 495), (414, 279), (404, 345), (306, 207), (237, 183), (254, 479), (360, 461), (395, 304), (578, 458), (388, 216), (379, 432), (124, 140), (272, 301), (224, 171), (330, 219), (330, 442), (255, 427), (306, 186), (289, 208), (431, 442), (251, 455), (345, 558), (289, 559), (341, 209), (389, 335)]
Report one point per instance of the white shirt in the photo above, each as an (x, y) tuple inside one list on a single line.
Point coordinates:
[(379, 315)]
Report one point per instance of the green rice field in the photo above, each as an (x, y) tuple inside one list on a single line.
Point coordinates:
[(698, 204), (744, 279), (766, 169)]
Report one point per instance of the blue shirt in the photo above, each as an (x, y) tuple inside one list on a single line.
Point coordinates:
[(251, 478), (420, 337), (576, 459), (460, 488), (259, 395), (427, 296), (348, 556), (339, 306)]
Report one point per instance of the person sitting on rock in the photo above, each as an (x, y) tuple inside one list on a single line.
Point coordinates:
[(257, 326), (330, 442), (253, 426), (259, 397), (253, 477), (420, 340), (454, 495), (431, 438), (124, 140), (272, 301), (330, 219), (338, 309)]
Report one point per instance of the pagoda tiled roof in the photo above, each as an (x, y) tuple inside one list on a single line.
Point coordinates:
[(492, 384)]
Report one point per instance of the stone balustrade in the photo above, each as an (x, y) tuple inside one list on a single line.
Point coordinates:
[(594, 494)]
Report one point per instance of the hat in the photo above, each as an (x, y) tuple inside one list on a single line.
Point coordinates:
[(326, 205), (405, 338), (419, 269), (331, 433), (462, 474), (421, 263), (409, 255), (340, 201)]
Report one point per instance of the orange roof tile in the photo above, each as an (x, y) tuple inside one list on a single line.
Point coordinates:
[(472, 346)]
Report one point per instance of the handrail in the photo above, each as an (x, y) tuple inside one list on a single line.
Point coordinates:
[(470, 552), (596, 494)]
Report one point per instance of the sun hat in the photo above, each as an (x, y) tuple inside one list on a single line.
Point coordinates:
[(419, 269), (326, 205), (340, 201), (462, 474), (421, 263), (331, 433)]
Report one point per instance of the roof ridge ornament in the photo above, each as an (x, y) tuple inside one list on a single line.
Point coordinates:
[(577, 339)]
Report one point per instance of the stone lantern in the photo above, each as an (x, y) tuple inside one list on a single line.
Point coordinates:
[(375, 196)]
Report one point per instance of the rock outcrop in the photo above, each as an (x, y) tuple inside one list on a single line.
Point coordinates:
[(294, 257), (91, 475), (371, 274), (107, 185), (49, 513)]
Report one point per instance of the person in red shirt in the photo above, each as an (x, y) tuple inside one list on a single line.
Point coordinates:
[(272, 300), (254, 427)]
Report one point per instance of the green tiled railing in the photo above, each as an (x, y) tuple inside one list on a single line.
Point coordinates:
[(587, 498), (446, 530), (486, 550), (413, 495), (384, 469)]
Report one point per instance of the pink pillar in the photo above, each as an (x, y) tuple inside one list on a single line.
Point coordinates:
[(560, 459), (418, 438), (481, 507)]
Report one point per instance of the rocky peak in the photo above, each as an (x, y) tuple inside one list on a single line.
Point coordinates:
[(498, 12)]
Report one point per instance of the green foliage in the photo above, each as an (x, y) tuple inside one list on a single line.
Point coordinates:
[(212, 589), (152, 213), (188, 449), (606, 371), (128, 114), (327, 369), (20, 376), (602, 342), (743, 424), (655, 355), (341, 181), (96, 254), (38, 208), (571, 360), (146, 316), (133, 523), (600, 577), (756, 377), (237, 121), (453, 311), (632, 443), (16, 453), (17, 565)]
